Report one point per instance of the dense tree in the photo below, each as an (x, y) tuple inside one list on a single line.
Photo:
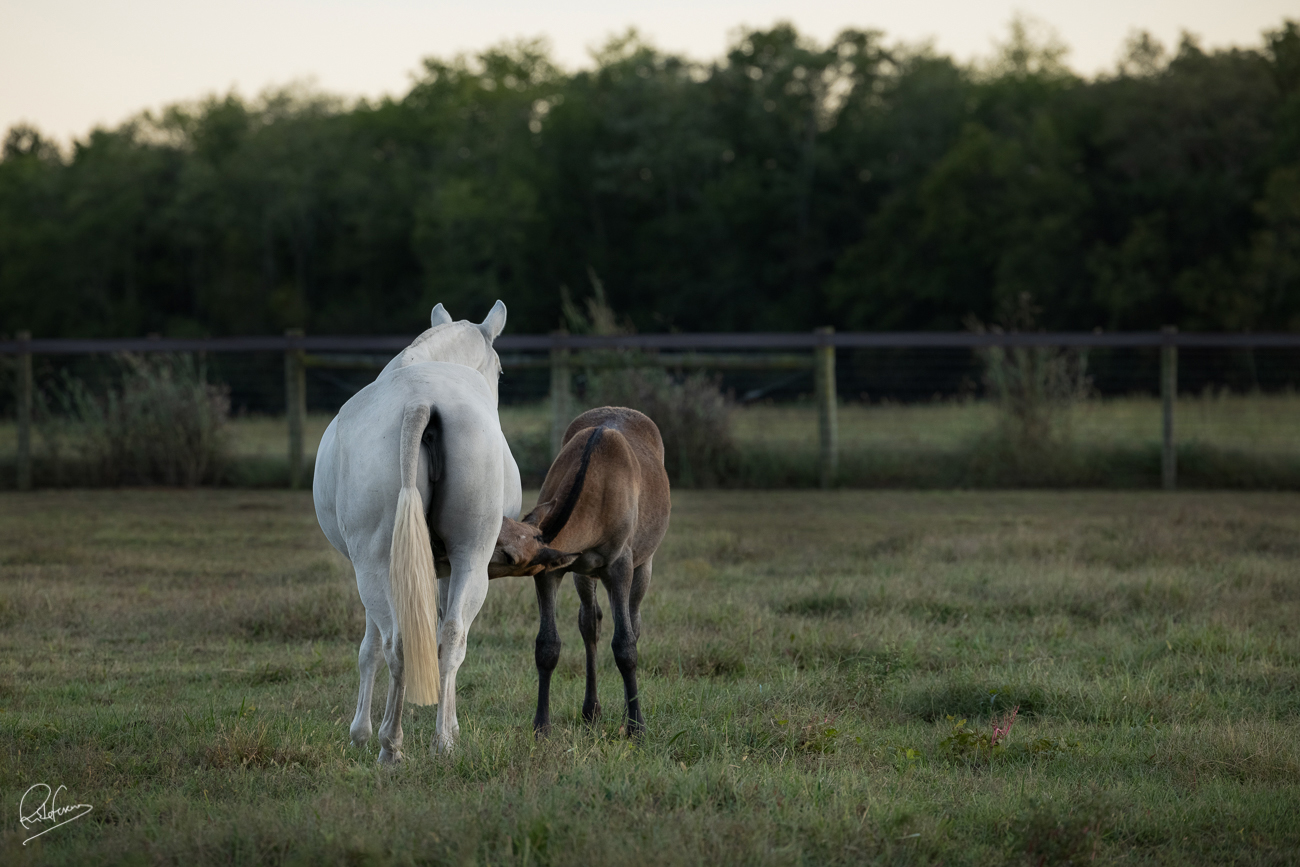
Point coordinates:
[(785, 185)]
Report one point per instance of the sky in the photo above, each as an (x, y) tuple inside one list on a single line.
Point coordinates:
[(67, 66)]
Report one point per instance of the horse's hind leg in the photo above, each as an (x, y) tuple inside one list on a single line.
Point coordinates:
[(467, 590), (367, 664), (390, 730), (547, 650), (618, 581), (589, 615)]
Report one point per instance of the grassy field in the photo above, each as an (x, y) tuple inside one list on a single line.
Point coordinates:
[(185, 663)]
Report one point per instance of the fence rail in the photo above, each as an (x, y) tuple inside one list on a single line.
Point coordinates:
[(705, 350), (702, 341)]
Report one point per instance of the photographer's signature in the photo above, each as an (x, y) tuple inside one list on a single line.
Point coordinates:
[(38, 808)]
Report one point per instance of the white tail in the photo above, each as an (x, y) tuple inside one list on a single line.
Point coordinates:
[(411, 574)]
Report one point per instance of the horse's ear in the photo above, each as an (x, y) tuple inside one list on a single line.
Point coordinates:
[(495, 322), (439, 316)]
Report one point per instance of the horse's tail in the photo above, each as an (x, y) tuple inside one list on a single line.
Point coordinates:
[(411, 574)]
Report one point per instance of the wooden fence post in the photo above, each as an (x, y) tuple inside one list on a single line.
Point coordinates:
[(1168, 394), (560, 397), (295, 402), (24, 412), (827, 411)]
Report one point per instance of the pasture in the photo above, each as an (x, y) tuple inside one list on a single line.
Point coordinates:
[(185, 662)]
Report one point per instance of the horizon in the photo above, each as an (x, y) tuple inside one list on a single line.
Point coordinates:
[(150, 55)]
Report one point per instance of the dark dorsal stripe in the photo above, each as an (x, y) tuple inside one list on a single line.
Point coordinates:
[(554, 522)]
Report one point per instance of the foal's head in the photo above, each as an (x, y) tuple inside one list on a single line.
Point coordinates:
[(521, 551)]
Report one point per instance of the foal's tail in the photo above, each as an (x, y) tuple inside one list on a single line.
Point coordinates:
[(411, 574)]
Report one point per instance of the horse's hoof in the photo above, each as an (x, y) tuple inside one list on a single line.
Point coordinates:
[(387, 757), (360, 740)]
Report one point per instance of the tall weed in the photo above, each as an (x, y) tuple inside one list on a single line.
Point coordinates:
[(1034, 388)]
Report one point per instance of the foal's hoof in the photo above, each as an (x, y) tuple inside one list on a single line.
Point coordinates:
[(388, 757), (591, 714)]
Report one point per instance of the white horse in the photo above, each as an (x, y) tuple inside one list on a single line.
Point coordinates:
[(419, 448)]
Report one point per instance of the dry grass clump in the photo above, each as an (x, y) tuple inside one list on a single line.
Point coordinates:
[(253, 744)]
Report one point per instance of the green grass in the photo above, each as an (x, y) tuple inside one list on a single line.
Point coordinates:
[(185, 662)]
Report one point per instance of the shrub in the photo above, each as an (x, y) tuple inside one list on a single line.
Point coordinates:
[(161, 423), (693, 415)]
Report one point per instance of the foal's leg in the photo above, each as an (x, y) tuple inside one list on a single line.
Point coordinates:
[(547, 651), (640, 584), (618, 582), (589, 615), (390, 730), (368, 664)]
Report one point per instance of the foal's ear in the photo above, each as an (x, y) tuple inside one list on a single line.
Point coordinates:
[(495, 322), (439, 316), (539, 512), (550, 559)]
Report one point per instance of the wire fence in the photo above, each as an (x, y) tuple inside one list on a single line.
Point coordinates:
[(827, 374)]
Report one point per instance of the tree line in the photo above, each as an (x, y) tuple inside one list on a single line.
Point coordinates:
[(786, 185)]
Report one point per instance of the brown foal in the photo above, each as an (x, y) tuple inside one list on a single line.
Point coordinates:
[(601, 514)]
